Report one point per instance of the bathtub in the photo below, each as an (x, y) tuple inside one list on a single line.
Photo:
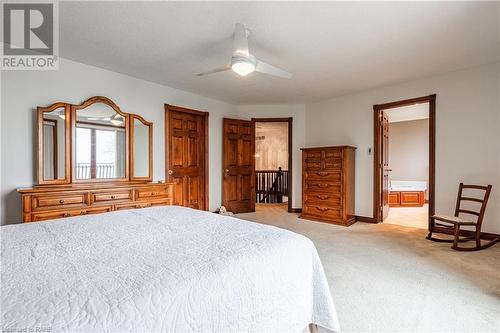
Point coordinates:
[(404, 193)]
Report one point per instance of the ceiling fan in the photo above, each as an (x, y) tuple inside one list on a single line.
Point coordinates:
[(243, 62)]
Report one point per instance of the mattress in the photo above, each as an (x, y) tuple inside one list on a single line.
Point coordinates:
[(162, 269)]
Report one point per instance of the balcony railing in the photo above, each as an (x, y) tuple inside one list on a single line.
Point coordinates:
[(271, 186), (102, 171)]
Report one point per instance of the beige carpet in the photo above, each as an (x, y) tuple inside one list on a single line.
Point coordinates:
[(387, 277)]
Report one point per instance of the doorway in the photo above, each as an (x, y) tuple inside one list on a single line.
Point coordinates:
[(273, 162), (186, 155), (404, 184)]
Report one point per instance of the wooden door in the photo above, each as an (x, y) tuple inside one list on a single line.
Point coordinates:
[(238, 181), (186, 155), (385, 165)]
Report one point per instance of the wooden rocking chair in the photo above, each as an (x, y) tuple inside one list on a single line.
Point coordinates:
[(453, 223)]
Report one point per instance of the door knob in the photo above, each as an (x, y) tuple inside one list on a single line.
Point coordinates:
[(170, 172)]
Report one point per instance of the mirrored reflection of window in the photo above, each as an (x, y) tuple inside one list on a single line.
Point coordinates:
[(100, 143)]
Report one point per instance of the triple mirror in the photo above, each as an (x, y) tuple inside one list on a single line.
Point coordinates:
[(92, 142)]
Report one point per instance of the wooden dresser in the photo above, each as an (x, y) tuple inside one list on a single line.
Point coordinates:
[(57, 201), (328, 184)]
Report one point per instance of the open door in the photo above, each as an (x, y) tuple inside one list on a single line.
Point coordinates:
[(384, 131), (186, 138), (238, 151)]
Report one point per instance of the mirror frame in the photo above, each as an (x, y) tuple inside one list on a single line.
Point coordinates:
[(85, 104), (67, 147), (132, 147)]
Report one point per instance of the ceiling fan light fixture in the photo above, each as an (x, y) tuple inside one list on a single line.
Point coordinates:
[(242, 67)]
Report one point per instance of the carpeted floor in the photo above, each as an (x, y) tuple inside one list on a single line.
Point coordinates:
[(387, 277)]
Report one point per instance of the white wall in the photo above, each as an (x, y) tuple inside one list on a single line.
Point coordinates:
[(409, 150), (271, 146), (297, 111), (22, 91), (467, 138)]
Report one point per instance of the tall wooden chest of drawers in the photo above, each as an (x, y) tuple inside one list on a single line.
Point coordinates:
[(328, 184)]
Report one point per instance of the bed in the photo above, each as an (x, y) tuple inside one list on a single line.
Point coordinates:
[(162, 269)]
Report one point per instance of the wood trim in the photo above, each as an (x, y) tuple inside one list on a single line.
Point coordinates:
[(206, 165), (431, 99), (131, 140), (67, 144), (365, 219), (99, 99), (171, 107), (288, 120)]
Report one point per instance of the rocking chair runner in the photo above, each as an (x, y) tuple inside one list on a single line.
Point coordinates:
[(453, 223)]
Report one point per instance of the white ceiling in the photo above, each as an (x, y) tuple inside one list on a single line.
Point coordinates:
[(410, 112), (332, 48)]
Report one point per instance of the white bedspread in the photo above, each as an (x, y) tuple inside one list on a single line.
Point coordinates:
[(165, 269)]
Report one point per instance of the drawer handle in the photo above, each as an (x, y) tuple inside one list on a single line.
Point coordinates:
[(322, 185), (61, 201), (322, 173), (322, 197), (112, 197), (83, 212), (67, 215), (322, 209)]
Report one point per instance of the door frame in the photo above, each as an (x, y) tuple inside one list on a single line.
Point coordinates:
[(170, 108), (377, 188), (288, 120)]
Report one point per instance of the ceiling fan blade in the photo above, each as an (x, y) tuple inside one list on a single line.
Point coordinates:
[(240, 43), (216, 70), (265, 68)]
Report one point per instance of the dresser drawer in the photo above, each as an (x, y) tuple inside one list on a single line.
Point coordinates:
[(151, 193), (111, 196), (322, 211), (330, 176), (333, 153), (313, 154), (333, 163), (322, 186), (44, 202), (138, 205), (42, 216), (331, 200)]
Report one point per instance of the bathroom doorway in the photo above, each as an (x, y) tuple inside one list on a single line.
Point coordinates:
[(404, 162)]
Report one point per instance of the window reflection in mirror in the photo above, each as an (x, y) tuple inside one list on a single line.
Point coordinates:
[(100, 143), (141, 149), (54, 144)]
